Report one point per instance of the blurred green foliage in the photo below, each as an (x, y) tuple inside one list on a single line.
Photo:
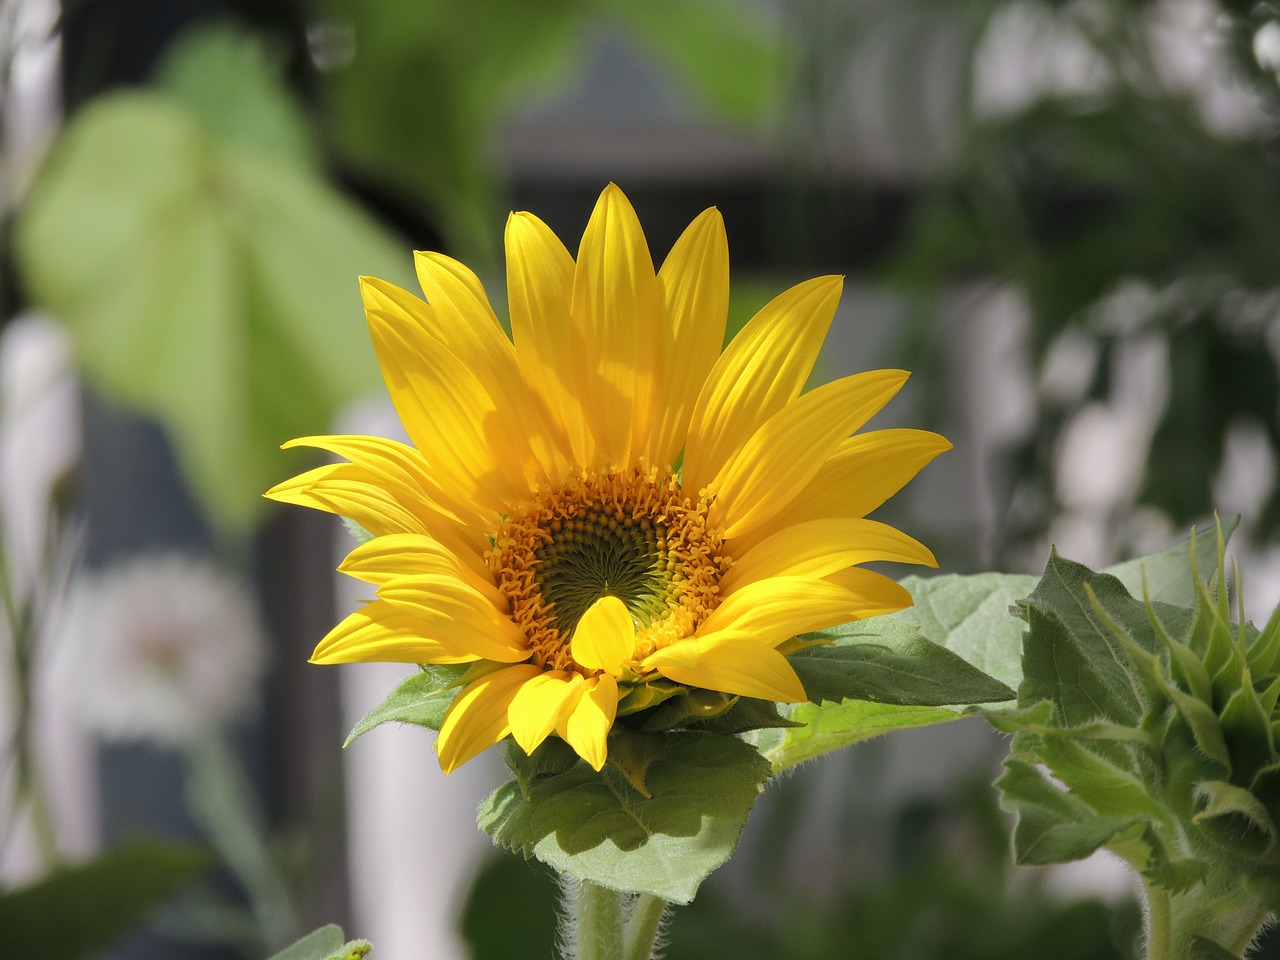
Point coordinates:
[(76, 912)]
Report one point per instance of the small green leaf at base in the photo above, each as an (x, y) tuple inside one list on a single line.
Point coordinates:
[(598, 828), (421, 699), (326, 943)]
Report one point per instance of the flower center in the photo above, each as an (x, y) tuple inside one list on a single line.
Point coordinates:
[(629, 535)]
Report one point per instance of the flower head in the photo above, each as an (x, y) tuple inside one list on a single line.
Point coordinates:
[(605, 509)]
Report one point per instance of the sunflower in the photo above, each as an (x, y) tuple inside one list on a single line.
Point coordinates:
[(605, 509)]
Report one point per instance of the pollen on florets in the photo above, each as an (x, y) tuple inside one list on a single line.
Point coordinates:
[(630, 534)]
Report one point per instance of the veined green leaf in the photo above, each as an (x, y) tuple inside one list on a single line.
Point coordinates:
[(423, 698), (599, 828), (836, 726), (969, 615), (884, 660), (1053, 826), (1170, 576), (1101, 784)]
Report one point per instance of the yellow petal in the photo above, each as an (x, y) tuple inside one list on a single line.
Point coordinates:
[(476, 338), (403, 468), (695, 287), (616, 308), (682, 653), (542, 704), (397, 556), (447, 607), (477, 719), (350, 491), (402, 475), (605, 637), (539, 287), (865, 471), (588, 728), (817, 548), (739, 664), (446, 411), (778, 609), (379, 631), (791, 446), (761, 371), (875, 593)]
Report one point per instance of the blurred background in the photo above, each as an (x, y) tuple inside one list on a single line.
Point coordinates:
[(1064, 217)]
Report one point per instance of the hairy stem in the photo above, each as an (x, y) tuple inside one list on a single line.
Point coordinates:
[(642, 928), (599, 923)]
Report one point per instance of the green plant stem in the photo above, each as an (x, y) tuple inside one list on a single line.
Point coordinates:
[(1159, 944), (612, 926), (220, 798), (599, 927), (1229, 918), (642, 927)]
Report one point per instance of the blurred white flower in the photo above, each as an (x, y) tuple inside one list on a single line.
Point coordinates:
[(159, 647)]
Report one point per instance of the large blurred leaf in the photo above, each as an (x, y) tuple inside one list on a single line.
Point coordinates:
[(230, 80), (210, 284), (77, 911)]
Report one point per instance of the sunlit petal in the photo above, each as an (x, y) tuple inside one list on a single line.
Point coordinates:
[(477, 719), (738, 663), (760, 372), (605, 637), (541, 704), (588, 726)]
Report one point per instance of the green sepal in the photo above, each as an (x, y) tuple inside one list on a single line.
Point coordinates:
[(599, 828), (358, 533), (713, 712), (1264, 652), (1235, 820), (1040, 719), (1104, 786), (686, 708), (1202, 948), (551, 758), (1053, 826), (1247, 729), (1142, 848), (884, 660), (636, 697), (632, 753), (421, 699)]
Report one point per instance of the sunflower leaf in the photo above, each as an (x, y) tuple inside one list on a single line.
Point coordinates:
[(969, 615), (421, 699), (597, 827), (835, 726), (884, 660), (326, 943)]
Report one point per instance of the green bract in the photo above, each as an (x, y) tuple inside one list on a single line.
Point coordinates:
[(1156, 723)]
